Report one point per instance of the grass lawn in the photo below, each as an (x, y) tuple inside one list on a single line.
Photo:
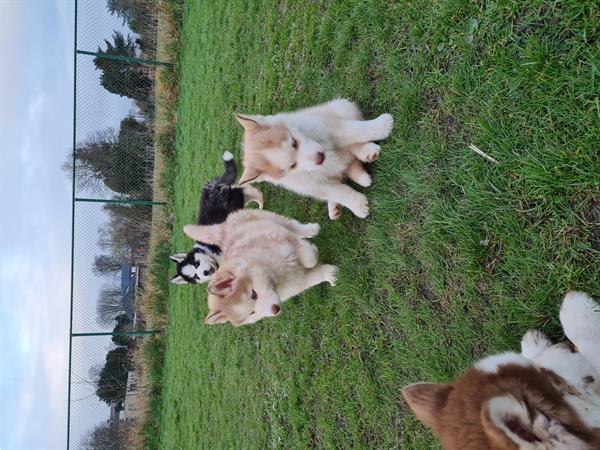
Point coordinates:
[(458, 257)]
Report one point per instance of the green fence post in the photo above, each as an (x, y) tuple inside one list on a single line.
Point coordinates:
[(72, 227), (125, 58), (122, 202), (119, 333)]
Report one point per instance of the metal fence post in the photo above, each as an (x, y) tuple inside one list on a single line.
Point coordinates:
[(124, 58)]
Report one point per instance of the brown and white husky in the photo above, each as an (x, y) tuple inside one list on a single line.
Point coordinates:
[(265, 261), (313, 150), (547, 397)]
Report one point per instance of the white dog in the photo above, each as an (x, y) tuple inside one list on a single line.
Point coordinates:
[(265, 261), (311, 151)]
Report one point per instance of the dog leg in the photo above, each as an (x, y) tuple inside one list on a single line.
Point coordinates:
[(312, 277), (302, 230), (368, 152), (334, 209), (357, 173), (320, 274), (361, 131), (308, 254), (344, 109), (252, 194), (534, 343), (580, 319), (348, 197)]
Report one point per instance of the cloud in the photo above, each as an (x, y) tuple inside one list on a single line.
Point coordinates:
[(35, 135)]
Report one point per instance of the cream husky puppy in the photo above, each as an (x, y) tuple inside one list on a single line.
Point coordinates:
[(311, 151), (545, 398), (265, 262)]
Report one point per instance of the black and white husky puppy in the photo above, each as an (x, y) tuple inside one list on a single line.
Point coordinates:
[(219, 198)]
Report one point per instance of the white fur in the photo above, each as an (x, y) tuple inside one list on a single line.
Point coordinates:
[(492, 363), (336, 130), (576, 370), (227, 156), (580, 318), (269, 250), (534, 343), (551, 433)]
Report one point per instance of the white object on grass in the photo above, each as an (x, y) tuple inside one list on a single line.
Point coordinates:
[(481, 153)]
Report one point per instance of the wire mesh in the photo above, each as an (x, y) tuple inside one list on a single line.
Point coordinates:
[(114, 126), (112, 212), (98, 20), (110, 247), (107, 391)]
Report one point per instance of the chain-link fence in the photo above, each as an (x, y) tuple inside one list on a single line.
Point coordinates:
[(112, 164)]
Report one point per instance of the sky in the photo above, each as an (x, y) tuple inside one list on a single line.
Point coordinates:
[(36, 134)]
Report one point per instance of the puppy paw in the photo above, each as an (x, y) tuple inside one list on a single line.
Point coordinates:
[(369, 152), (364, 180), (310, 230), (534, 343), (330, 274), (360, 208), (385, 124), (335, 210)]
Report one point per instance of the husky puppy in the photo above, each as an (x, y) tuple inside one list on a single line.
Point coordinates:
[(265, 261), (313, 150), (547, 397), (219, 199)]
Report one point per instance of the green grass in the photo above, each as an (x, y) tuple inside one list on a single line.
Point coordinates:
[(419, 297)]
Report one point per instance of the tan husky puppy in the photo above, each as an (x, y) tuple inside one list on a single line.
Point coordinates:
[(313, 150), (265, 262), (545, 398)]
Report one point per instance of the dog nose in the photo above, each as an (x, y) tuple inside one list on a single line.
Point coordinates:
[(320, 158), (275, 309)]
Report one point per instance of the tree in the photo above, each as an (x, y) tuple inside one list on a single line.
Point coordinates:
[(123, 9), (120, 161), (121, 77), (107, 436), (109, 305), (112, 382), (127, 231), (106, 265), (123, 324)]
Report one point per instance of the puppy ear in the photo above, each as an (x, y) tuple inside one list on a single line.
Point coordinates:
[(215, 317), (250, 175), (427, 401), (178, 279), (178, 257), (222, 284), (211, 234), (250, 123)]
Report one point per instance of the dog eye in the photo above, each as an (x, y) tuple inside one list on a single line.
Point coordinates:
[(206, 273), (293, 166), (294, 143), (254, 295)]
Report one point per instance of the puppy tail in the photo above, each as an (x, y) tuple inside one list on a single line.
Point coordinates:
[(230, 173)]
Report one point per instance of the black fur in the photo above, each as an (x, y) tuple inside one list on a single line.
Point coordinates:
[(219, 198)]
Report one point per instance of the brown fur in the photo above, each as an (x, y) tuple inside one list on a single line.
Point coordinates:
[(219, 302), (261, 140), (458, 413)]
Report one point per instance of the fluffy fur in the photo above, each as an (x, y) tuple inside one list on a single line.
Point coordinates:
[(313, 150), (265, 262), (547, 397), (219, 198)]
